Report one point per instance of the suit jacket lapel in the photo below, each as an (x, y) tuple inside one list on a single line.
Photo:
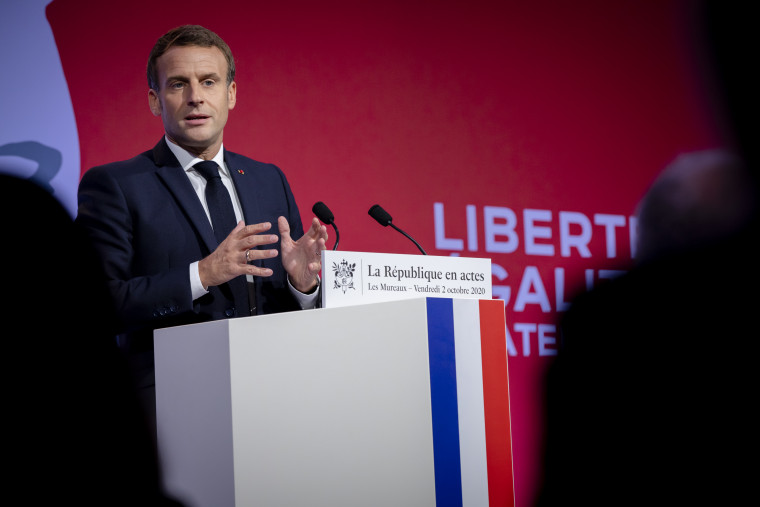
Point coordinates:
[(246, 188), (174, 177)]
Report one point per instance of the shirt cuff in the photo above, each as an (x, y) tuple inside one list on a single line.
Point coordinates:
[(307, 301), (196, 287)]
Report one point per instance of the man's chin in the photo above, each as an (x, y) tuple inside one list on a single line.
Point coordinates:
[(194, 145)]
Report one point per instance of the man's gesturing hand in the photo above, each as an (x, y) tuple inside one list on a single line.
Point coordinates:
[(229, 259), (302, 259)]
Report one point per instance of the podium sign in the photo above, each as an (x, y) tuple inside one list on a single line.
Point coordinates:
[(350, 278)]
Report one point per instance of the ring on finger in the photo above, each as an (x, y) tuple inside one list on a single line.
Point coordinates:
[(247, 258)]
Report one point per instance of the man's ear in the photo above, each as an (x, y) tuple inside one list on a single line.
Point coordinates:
[(154, 102), (231, 95)]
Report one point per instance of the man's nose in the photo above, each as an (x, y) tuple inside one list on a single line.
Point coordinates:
[(195, 94)]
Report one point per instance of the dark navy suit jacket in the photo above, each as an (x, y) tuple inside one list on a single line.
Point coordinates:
[(148, 225)]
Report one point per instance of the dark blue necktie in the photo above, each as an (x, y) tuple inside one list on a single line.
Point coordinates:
[(223, 221), (218, 200)]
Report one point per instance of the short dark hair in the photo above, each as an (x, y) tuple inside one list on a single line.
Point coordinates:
[(188, 35)]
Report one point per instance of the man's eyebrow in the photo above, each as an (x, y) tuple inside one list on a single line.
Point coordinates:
[(185, 79), (210, 75), (182, 79)]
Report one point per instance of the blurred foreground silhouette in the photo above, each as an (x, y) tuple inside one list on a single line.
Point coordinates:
[(651, 397), (74, 430)]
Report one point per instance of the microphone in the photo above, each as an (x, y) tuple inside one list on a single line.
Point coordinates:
[(384, 219), (325, 215)]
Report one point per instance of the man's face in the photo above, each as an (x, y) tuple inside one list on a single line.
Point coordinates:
[(194, 99)]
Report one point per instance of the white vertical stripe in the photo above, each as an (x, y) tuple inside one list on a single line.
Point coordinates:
[(472, 425)]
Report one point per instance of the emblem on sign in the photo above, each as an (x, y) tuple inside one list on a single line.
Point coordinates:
[(344, 275)]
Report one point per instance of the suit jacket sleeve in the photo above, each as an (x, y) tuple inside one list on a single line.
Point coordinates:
[(142, 298)]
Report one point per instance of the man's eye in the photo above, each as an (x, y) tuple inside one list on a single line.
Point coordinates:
[(176, 86), (208, 82)]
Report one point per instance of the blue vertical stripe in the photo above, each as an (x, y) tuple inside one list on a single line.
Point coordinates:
[(443, 398)]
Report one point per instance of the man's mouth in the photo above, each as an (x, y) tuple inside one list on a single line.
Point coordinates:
[(196, 119)]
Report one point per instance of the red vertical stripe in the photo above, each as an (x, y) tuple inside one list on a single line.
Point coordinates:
[(501, 490)]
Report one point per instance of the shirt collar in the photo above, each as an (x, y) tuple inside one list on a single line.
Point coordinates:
[(187, 160)]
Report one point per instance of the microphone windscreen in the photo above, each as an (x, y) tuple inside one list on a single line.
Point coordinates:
[(379, 214), (323, 212)]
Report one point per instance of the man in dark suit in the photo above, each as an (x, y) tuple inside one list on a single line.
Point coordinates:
[(150, 217)]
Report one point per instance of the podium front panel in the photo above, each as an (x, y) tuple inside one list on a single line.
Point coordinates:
[(381, 404)]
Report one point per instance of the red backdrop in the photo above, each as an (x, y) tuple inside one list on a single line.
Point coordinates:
[(560, 113)]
